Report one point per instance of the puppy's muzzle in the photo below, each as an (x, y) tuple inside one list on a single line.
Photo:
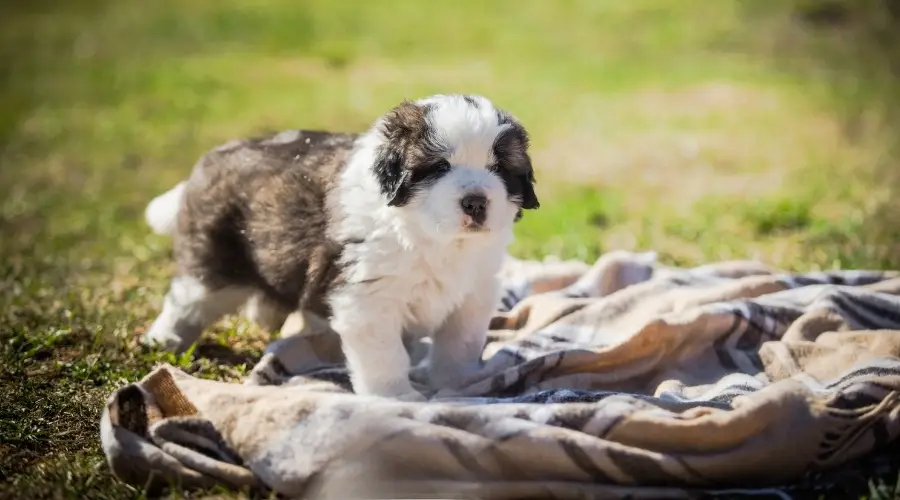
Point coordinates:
[(474, 206)]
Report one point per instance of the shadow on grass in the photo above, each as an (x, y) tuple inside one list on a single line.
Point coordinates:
[(226, 355)]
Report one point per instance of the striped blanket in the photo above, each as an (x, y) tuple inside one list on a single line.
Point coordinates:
[(624, 378)]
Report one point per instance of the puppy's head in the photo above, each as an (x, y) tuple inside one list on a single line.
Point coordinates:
[(455, 164)]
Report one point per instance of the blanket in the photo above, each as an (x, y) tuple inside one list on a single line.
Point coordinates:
[(621, 379)]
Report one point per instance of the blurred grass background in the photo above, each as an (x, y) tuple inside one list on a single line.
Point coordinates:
[(704, 130)]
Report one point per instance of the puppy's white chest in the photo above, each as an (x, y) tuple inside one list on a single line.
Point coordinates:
[(435, 287)]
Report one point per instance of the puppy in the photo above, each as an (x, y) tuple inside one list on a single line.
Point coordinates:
[(398, 231)]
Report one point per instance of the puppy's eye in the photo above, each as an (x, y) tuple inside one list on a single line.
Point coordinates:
[(506, 175), (499, 169), (441, 166), (430, 172)]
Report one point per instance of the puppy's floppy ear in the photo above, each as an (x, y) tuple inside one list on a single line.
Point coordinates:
[(511, 146), (405, 124), (529, 198), (392, 177)]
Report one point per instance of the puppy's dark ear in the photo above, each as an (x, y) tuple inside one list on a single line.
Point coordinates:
[(511, 146), (405, 124), (529, 198), (392, 177)]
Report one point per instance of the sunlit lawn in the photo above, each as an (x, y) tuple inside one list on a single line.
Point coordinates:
[(703, 130)]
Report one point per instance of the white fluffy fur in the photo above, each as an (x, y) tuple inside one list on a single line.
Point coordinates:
[(418, 270), (429, 276)]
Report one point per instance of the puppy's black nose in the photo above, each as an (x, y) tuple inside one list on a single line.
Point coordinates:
[(475, 206)]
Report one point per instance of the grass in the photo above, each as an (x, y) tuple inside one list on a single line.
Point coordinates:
[(703, 130)]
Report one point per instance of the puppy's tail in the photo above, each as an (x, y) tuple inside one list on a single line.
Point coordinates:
[(162, 212)]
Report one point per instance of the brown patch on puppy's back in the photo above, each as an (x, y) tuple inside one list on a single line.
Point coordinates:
[(254, 215)]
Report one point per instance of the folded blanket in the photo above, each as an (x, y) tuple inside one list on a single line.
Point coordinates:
[(622, 379)]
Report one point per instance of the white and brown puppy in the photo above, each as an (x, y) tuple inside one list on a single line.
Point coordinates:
[(400, 230)]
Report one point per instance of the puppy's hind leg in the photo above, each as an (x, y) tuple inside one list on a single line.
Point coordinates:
[(265, 312), (190, 307)]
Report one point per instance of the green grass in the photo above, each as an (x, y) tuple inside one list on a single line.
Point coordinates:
[(703, 130)]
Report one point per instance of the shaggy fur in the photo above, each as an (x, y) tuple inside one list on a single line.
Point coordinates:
[(400, 230)]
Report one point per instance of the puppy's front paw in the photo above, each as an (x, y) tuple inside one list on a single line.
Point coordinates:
[(412, 397), (420, 374), (399, 389), (452, 377)]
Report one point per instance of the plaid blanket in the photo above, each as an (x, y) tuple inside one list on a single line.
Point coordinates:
[(620, 379)]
